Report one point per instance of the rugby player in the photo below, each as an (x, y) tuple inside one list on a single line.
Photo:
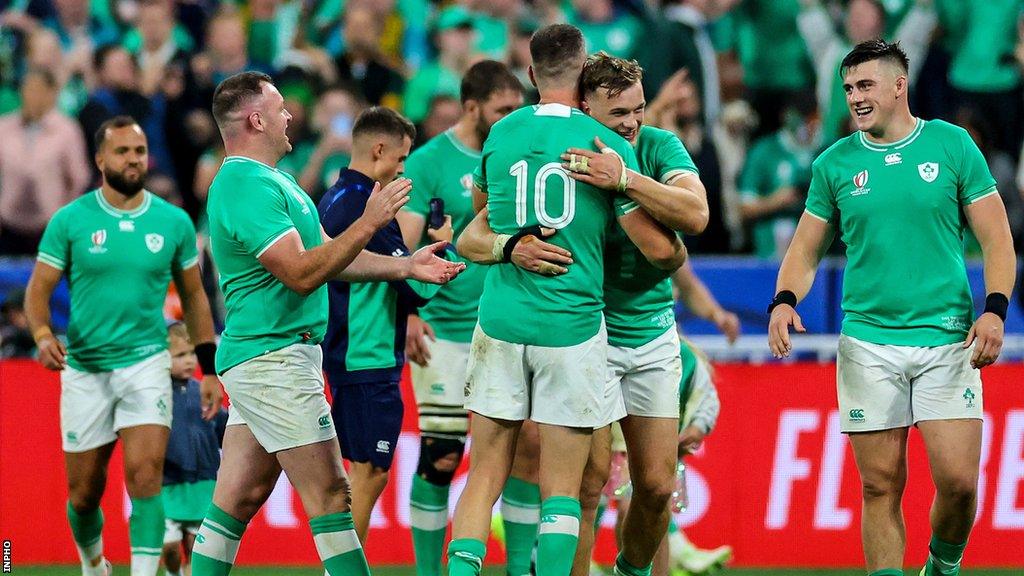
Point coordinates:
[(539, 349), (900, 190), (438, 337), (274, 260), (119, 246), (643, 354)]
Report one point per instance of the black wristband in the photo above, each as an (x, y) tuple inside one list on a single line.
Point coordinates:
[(783, 297), (515, 238), (997, 303), (206, 353)]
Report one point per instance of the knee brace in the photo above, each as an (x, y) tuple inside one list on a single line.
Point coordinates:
[(433, 449)]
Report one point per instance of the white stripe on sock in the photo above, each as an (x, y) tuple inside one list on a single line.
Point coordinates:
[(520, 514), (331, 544), (559, 524), (430, 520), (222, 528), (145, 564), (215, 545)]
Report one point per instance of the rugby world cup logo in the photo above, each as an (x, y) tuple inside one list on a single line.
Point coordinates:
[(99, 238), (860, 180)]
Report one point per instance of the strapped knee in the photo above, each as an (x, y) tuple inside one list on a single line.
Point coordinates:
[(439, 457)]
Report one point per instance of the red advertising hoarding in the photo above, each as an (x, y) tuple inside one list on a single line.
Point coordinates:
[(775, 480)]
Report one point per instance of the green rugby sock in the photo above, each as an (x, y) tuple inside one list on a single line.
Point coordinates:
[(558, 535), (944, 558), (216, 543), (887, 572), (146, 534), (428, 518), (466, 557), (338, 545), (87, 531), (520, 513), (624, 568)]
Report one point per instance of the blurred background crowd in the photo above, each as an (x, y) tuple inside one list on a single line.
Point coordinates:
[(750, 86)]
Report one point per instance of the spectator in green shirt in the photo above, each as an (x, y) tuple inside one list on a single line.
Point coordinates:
[(773, 56), (454, 36), (605, 26), (777, 173), (984, 71)]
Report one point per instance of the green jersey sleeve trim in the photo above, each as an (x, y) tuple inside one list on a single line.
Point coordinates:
[(984, 194), (273, 240), (673, 175), (186, 264), (51, 260), (625, 207), (818, 216)]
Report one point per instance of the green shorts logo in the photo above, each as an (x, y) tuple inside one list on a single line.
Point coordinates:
[(969, 396), (72, 437), (857, 415), (162, 407), (200, 538), (437, 389), (324, 421)]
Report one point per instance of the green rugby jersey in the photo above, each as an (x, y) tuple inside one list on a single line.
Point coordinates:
[(119, 264), (521, 173), (637, 296), (252, 205), (443, 168), (899, 208)]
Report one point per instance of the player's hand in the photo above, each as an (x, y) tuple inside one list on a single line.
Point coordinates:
[(690, 440), (600, 169), (727, 323), (416, 334), (987, 336), (443, 234), (52, 353), (210, 396), (783, 316), (424, 265), (535, 255), (386, 201)]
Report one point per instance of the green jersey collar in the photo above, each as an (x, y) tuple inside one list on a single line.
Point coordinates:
[(107, 207), (450, 134), (553, 109), (247, 159), (902, 142)]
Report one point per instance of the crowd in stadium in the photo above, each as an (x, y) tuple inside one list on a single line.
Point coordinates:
[(758, 99)]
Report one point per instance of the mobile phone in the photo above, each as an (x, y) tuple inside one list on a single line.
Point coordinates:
[(435, 219)]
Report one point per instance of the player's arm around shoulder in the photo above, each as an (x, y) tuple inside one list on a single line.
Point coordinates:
[(526, 248)]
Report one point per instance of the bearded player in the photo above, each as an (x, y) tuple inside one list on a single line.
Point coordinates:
[(120, 246)]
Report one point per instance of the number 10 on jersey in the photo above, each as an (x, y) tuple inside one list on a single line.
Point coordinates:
[(540, 183)]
